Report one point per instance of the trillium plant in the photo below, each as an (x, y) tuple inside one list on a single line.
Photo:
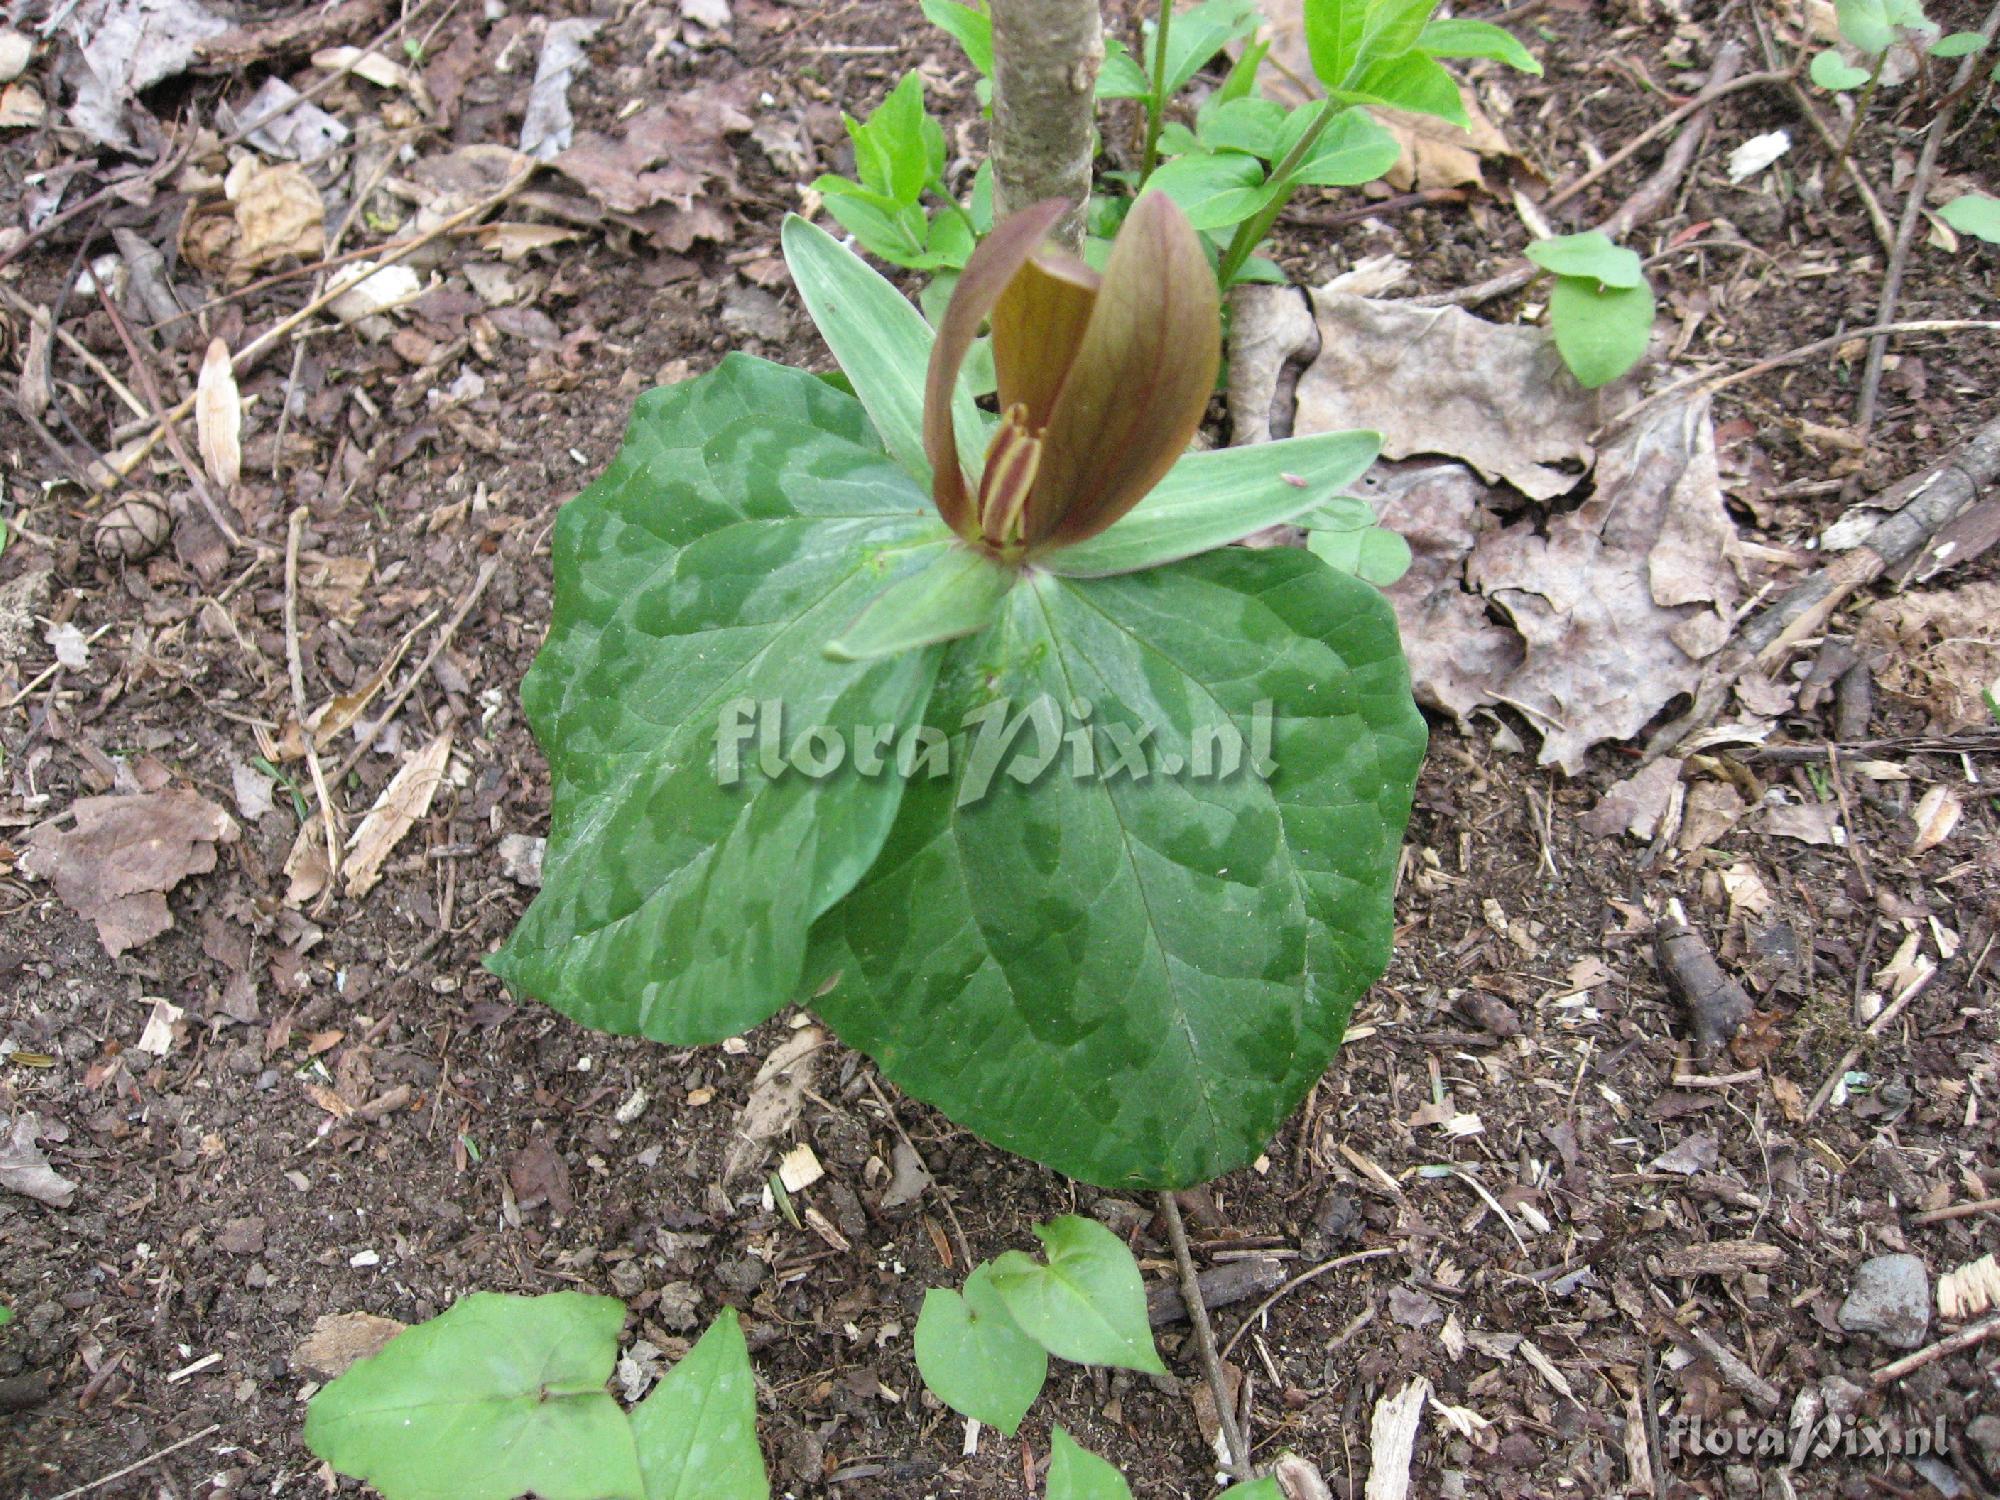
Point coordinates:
[(970, 729)]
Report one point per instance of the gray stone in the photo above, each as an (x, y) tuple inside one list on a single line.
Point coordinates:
[(1891, 1299)]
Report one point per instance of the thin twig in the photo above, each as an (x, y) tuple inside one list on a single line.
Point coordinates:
[(1238, 1458), (957, 1229), (320, 86), (77, 347), (296, 666), (1965, 1338), (255, 350), (1659, 128), (1957, 1211), (1872, 205), (1906, 228), (144, 370), (1298, 1281), (168, 161), (1708, 384), (1645, 204), (486, 571), (137, 1464)]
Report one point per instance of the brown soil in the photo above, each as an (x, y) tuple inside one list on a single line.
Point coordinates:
[(238, 1187)]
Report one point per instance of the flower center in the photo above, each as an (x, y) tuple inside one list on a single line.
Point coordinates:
[(1012, 461)]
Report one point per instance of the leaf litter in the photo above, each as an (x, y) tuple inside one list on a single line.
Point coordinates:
[(1580, 583), (123, 854)]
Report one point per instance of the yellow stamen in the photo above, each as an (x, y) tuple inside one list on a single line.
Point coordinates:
[(1012, 461)]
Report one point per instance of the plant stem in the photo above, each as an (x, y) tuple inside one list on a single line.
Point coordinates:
[(1238, 1457), (1860, 113), (1250, 233), (963, 213), (1156, 102), (1046, 54)]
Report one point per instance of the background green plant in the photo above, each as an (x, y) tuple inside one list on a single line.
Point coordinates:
[(503, 1395)]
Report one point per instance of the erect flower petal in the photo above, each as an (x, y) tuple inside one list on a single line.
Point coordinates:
[(980, 284), (1139, 383), (1038, 324)]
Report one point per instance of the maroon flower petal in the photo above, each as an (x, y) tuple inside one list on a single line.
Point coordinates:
[(1139, 383), (1038, 324), (980, 284)]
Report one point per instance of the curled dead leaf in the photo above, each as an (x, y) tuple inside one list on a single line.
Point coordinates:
[(123, 854), (218, 417)]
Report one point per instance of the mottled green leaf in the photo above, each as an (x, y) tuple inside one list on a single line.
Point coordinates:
[(955, 592), (975, 1358), (1213, 498), (1134, 979), (697, 1431), (749, 516), (499, 1396), (1085, 1303)]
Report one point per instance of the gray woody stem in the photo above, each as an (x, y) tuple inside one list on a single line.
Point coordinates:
[(1045, 59)]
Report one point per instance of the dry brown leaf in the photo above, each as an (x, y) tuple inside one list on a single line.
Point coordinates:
[(1439, 154), (403, 803), (381, 71), (1809, 822), (23, 1167), (1713, 808), (115, 866), (1940, 649), (1937, 814), (1612, 605), (21, 107), (1640, 805), (218, 417), (776, 1097), (1439, 380), (671, 165), (339, 1341), (267, 214)]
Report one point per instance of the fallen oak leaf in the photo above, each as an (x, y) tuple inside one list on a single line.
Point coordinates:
[(115, 866)]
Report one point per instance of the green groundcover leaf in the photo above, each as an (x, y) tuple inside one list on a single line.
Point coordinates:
[(1600, 331), (697, 1432), (1835, 73), (1588, 254), (1133, 975), (499, 1396), (1086, 1303), (1075, 1473), (750, 516), (1975, 214), (974, 1356)]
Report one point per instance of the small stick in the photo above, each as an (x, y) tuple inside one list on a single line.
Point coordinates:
[(1298, 1281), (80, 349), (957, 1229), (167, 163), (1872, 205), (253, 351), (296, 666), (1906, 229), (151, 387), (1965, 1338), (1708, 384), (1204, 1341), (1660, 127), (1956, 1211), (486, 571), (138, 1464), (1644, 205), (1853, 1055)]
